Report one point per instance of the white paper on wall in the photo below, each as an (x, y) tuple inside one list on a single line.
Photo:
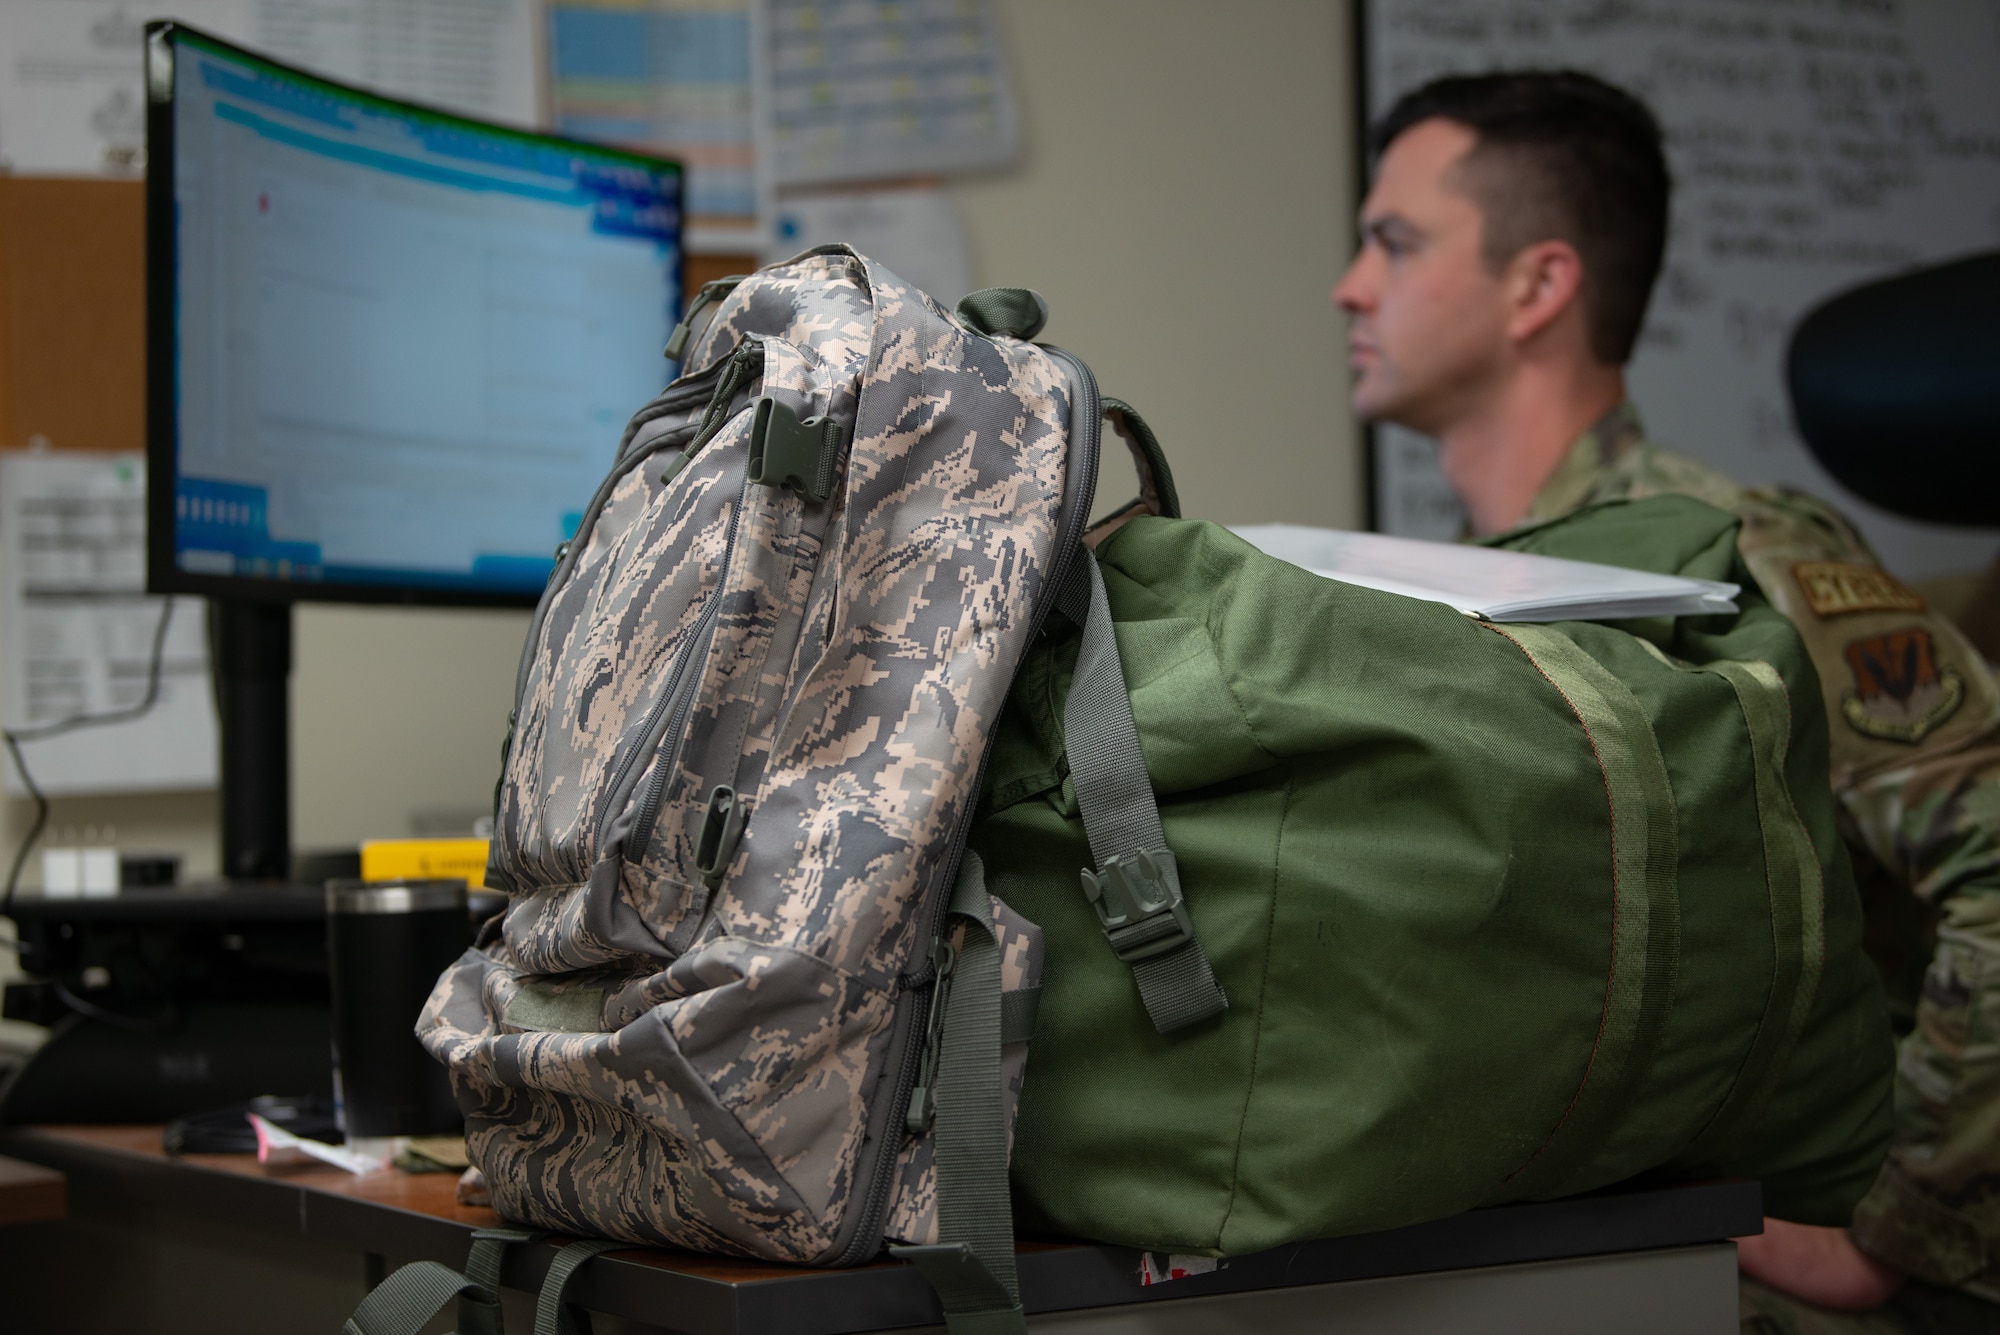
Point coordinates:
[(854, 90), (72, 101), (915, 230), (672, 77), (77, 629)]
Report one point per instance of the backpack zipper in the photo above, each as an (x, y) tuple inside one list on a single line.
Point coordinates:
[(680, 684), (638, 836), (1089, 417), (680, 694), (743, 364), (708, 294), (668, 399)]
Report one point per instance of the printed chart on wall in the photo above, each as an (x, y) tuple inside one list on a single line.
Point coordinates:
[(667, 76), (1814, 146), (77, 631), (71, 99), (868, 91)]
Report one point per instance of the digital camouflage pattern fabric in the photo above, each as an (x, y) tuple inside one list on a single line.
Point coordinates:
[(1915, 719), (692, 1025), (1919, 1309)]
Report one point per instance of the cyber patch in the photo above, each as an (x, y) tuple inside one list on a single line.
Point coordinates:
[(1836, 588), (1900, 694)]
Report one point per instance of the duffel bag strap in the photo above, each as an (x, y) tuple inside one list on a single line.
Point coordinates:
[(972, 1264), (406, 1301), (1797, 895), (1136, 886)]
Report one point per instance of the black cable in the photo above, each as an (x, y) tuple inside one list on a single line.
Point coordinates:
[(133, 1024), (35, 829), (15, 736)]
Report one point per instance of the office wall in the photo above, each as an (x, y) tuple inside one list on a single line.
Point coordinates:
[(1184, 202)]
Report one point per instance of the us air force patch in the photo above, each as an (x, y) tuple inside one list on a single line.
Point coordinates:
[(1900, 694), (1836, 588)]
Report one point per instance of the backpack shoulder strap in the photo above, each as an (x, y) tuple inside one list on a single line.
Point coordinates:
[(1136, 886), (972, 1264), (404, 1303)]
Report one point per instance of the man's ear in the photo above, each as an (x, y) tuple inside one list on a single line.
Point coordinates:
[(1542, 282)]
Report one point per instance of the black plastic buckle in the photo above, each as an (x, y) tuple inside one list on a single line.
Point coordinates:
[(785, 452), (1138, 900), (721, 828), (923, 1095)]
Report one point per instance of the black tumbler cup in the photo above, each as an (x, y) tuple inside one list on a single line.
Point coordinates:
[(388, 941)]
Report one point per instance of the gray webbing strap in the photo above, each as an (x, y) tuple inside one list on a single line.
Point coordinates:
[(403, 1303), (1017, 1014), (553, 1316), (1136, 888), (479, 1309), (972, 1266), (406, 1301)]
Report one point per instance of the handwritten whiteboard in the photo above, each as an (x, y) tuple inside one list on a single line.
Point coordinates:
[(1814, 144)]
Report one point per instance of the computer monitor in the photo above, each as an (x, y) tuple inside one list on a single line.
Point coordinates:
[(390, 351), (394, 347)]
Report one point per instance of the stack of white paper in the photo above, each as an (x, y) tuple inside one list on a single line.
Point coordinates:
[(1484, 582)]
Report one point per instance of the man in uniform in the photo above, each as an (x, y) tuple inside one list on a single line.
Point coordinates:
[(1509, 246)]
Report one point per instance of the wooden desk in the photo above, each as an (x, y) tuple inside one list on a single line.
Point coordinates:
[(30, 1193), (251, 1250)]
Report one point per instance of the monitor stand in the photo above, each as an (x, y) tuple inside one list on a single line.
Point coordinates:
[(250, 644)]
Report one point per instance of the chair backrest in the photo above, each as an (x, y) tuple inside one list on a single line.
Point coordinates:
[(1893, 388)]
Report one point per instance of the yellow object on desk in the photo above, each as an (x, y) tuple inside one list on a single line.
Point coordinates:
[(424, 859)]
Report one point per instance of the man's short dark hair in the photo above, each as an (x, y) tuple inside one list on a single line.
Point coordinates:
[(1560, 155)]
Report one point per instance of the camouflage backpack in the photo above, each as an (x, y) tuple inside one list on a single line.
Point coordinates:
[(753, 712)]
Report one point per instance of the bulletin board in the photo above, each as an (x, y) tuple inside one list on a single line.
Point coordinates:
[(1814, 145)]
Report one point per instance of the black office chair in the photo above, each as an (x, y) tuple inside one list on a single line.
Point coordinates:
[(1896, 388)]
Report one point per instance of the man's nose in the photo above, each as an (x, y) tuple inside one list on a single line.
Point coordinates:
[(1352, 292)]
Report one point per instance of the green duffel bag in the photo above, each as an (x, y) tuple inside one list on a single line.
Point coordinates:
[(1499, 912)]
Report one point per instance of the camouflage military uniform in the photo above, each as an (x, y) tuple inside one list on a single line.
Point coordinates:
[(1915, 717)]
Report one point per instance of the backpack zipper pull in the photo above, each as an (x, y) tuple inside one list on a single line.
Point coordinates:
[(736, 373), (923, 1094), (506, 754), (708, 294), (721, 830)]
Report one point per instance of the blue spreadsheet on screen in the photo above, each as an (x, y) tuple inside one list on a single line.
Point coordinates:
[(405, 343)]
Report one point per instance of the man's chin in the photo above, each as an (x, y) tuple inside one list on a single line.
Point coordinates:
[(1380, 409), (1372, 400), (1376, 411), (1367, 405)]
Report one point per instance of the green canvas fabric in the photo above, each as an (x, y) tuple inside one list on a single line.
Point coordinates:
[(1501, 912)]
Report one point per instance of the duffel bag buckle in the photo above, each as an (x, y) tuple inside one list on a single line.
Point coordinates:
[(1138, 900)]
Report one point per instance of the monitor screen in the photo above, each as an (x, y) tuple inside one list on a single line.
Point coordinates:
[(391, 350)]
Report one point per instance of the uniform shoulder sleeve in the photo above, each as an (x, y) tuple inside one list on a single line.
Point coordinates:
[(1901, 684), (1644, 470)]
